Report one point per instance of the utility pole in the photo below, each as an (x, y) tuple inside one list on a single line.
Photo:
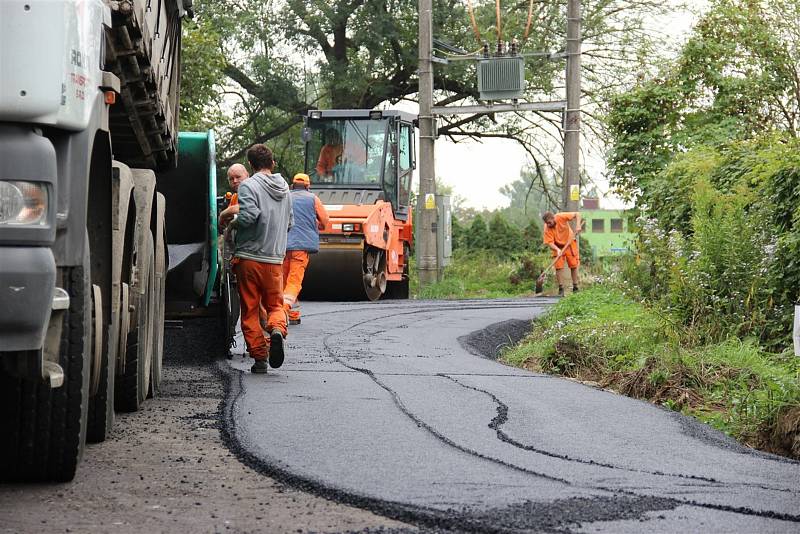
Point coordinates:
[(572, 115), (427, 263)]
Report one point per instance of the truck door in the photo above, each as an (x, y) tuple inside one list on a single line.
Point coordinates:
[(405, 168)]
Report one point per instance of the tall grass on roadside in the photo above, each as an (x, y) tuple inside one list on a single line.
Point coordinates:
[(602, 336)]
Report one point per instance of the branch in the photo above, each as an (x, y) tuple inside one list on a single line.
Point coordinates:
[(275, 132)]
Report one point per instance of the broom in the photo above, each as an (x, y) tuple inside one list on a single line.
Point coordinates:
[(542, 277)]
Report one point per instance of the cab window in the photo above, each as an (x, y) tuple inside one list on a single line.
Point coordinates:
[(405, 151)]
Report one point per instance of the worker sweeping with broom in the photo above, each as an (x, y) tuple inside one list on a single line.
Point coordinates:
[(563, 242)]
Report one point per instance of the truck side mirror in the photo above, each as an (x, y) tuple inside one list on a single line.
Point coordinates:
[(306, 134)]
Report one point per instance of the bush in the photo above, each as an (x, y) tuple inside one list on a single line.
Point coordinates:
[(720, 250)]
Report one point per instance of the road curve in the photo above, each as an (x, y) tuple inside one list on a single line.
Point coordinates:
[(380, 406)]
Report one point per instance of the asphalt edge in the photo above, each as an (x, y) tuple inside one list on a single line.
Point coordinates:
[(439, 521), (475, 343)]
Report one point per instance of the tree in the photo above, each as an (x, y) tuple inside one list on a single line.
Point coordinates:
[(201, 77), (477, 237), (736, 78), (357, 53), (504, 240), (458, 234), (535, 192)]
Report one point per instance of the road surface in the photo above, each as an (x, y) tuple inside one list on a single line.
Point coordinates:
[(380, 406), (167, 469)]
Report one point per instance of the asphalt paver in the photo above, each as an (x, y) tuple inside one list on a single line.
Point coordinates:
[(392, 407)]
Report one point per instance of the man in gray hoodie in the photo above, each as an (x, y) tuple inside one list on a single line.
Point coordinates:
[(264, 218)]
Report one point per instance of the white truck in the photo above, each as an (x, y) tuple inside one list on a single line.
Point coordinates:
[(88, 114)]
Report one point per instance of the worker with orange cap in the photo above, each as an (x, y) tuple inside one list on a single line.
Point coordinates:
[(562, 240), (309, 218)]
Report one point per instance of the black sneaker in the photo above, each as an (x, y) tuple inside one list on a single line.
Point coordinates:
[(574, 289), (275, 349), (560, 291), (259, 367), (294, 321)]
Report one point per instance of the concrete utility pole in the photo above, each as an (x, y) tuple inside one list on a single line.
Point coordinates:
[(572, 117), (426, 246)]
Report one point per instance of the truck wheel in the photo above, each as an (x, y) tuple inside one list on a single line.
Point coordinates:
[(101, 403), (160, 277), (44, 429), (133, 383)]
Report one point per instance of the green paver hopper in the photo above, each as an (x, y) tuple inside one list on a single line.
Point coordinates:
[(191, 225)]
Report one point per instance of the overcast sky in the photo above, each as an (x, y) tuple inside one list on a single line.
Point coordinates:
[(477, 171)]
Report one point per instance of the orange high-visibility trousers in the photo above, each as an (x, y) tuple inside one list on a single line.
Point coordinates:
[(294, 268), (571, 256), (260, 284)]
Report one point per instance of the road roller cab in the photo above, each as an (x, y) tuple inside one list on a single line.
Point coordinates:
[(361, 164)]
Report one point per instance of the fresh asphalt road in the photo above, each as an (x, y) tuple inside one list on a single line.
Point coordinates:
[(379, 405)]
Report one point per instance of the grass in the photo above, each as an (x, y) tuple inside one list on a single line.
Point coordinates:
[(475, 275), (603, 337), (481, 274)]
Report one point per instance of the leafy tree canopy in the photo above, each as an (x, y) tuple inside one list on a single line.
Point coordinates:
[(736, 78), (283, 57)]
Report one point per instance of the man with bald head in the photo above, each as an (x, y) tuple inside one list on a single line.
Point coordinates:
[(237, 173)]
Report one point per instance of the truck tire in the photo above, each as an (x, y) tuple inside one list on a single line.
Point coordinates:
[(44, 429), (133, 383), (160, 278), (101, 404)]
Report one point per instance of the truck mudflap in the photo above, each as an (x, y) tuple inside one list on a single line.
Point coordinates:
[(27, 285)]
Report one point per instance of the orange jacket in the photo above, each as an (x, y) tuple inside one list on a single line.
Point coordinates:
[(329, 157), (562, 233)]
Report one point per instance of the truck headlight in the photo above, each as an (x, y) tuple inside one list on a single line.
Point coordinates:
[(23, 203)]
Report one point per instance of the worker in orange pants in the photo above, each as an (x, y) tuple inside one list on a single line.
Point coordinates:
[(260, 288), (310, 217), (262, 225), (294, 269), (562, 241)]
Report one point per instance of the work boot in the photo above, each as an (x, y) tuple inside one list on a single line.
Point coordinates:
[(574, 289), (259, 367), (294, 321), (275, 349), (560, 291)]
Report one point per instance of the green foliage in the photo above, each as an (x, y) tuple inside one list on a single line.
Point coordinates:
[(719, 247), (201, 77), (736, 78), (458, 233), (477, 237), (475, 274), (600, 335), (504, 239), (708, 150)]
